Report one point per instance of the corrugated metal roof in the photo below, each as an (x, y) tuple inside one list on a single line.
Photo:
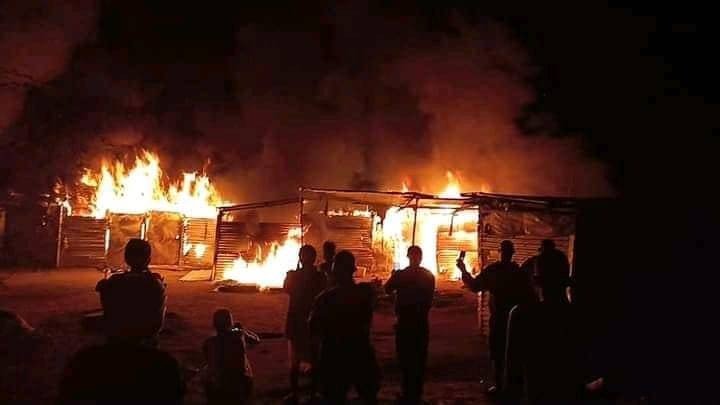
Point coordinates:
[(260, 204), (387, 198), (520, 202)]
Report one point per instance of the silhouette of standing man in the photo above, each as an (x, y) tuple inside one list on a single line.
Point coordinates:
[(341, 318), (544, 360), (553, 265), (508, 286), (414, 287), (302, 285), (329, 258)]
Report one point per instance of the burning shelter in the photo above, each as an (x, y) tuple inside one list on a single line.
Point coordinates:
[(256, 243), (110, 207), (379, 226), (445, 225)]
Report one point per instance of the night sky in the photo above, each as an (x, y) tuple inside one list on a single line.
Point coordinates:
[(585, 100), (398, 91)]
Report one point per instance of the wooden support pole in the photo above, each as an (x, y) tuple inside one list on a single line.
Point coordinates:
[(302, 212), (417, 202), (58, 253), (213, 273)]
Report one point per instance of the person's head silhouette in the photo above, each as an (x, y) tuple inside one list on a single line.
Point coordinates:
[(551, 275), (344, 266), (222, 320), (307, 255), (414, 254), (547, 245), (329, 251), (137, 254), (507, 250)]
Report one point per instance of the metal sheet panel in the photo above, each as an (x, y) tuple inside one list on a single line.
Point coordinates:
[(270, 234), (164, 230), (123, 227), (525, 248), (231, 241), (353, 234), (449, 248), (198, 242), (83, 242), (236, 238)]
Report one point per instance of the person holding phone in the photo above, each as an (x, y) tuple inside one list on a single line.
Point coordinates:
[(508, 286)]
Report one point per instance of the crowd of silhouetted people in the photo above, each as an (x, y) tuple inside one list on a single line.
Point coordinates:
[(535, 353)]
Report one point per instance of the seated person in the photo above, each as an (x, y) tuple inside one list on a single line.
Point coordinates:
[(228, 376), (134, 302)]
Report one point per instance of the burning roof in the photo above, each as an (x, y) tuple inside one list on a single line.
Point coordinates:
[(142, 188)]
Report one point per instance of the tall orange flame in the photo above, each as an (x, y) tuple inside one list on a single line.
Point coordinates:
[(398, 226), (140, 189), (452, 189), (268, 272)]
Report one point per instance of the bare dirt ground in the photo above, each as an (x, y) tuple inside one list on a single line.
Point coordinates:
[(55, 301)]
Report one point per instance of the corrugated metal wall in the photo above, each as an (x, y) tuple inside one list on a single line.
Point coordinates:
[(525, 248), (83, 242), (198, 231), (450, 246), (236, 238), (231, 240), (83, 239), (273, 232), (353, 234)]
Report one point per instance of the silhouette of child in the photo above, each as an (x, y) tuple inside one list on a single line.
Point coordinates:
[(228, 376)]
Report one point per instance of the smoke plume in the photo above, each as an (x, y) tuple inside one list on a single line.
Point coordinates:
[(36, 45), (354, 98)]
